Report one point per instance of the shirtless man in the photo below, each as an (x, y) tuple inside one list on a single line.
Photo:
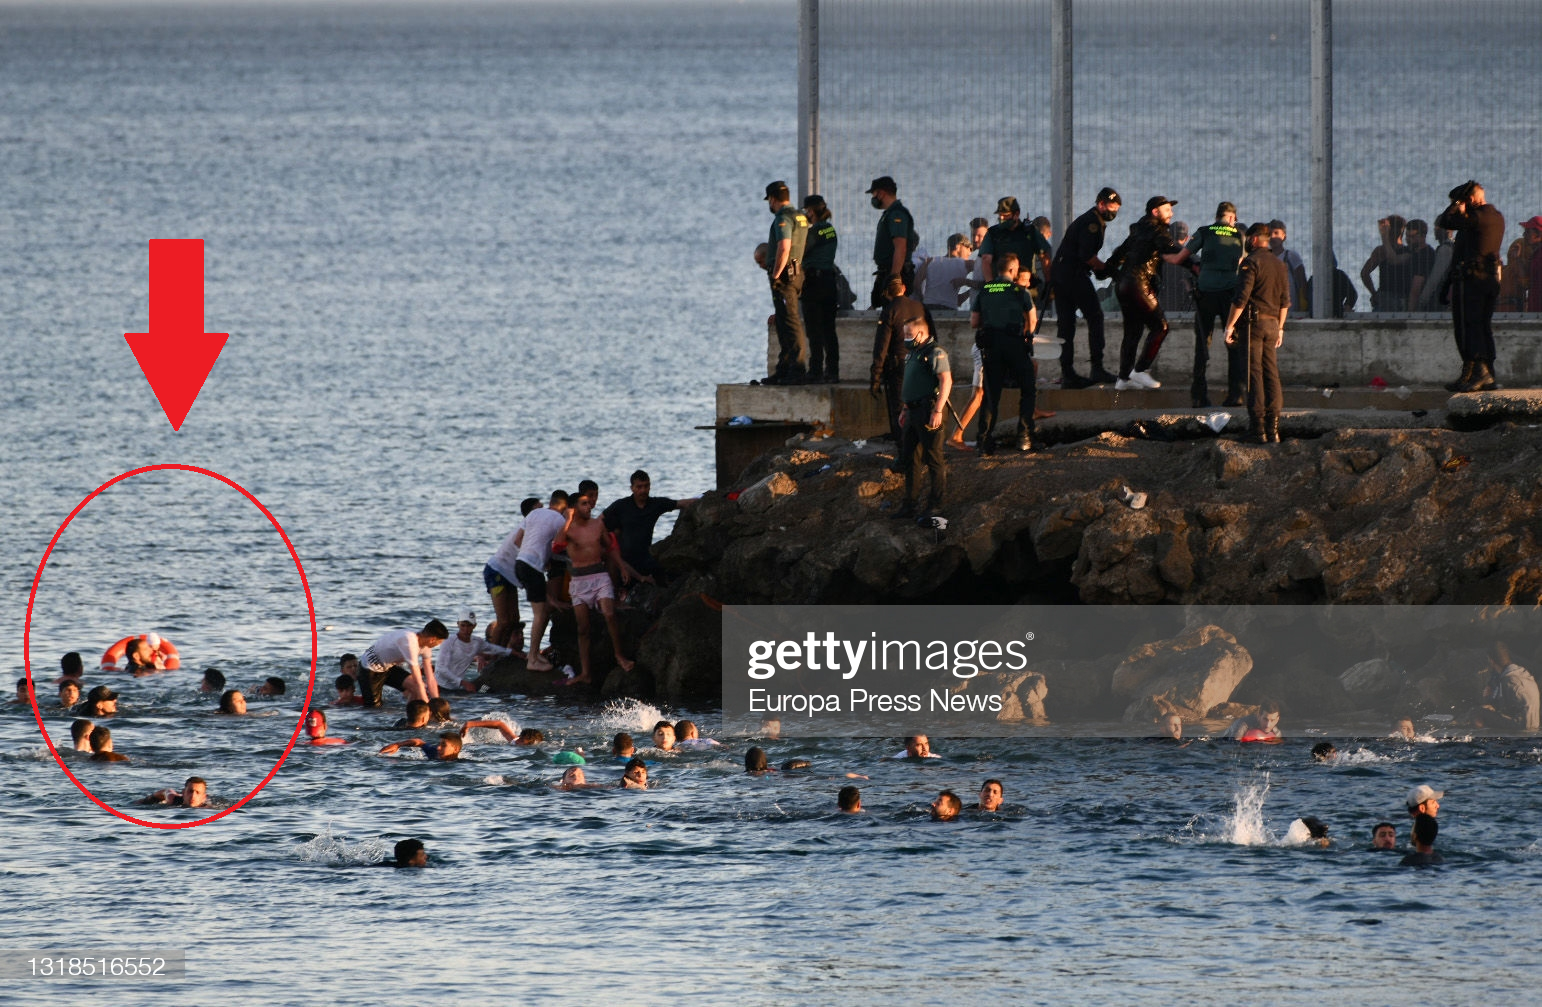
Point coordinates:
[(588, 547), (80, 733), (194, 794), (101, 747)]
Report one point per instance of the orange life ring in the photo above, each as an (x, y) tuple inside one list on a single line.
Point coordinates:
[(166, 655), (1261, 736)]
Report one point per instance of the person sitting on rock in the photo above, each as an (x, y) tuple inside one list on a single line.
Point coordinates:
[(1510, 697), (1261, 726)]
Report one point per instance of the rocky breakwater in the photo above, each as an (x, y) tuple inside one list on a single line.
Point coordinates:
[(1355, 517)]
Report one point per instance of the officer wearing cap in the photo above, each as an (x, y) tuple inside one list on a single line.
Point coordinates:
[(1474, 277), (1013, 235), (1137, 263), (888, 368), (821, 296), (895, 242), (1220, 248), (784, 250), (1262, 301), (1076, 261), (1003, 317)]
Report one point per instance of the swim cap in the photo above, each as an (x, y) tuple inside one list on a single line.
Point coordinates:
[(568, 759)]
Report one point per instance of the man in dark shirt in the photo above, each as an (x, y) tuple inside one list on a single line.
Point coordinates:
[(1263, 292), (632, 519), (1219, 248), (1013, 235), (928, 381), (821, 293), (1425, 829), (1076, 261), (895, 242), (889, 346), (784, 250), (1002, 314), (1480, 232), (1421, 258)]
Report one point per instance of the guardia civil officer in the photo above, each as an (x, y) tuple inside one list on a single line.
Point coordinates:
[(927, 384), (821, 298), (1474, 276), (1013, 234), (1220, 248), (1262, 300), (1003, 317), (895, 242), (889, 348), (1076, 262), (784, 250)]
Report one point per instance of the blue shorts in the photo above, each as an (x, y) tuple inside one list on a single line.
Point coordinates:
[(496, 582)]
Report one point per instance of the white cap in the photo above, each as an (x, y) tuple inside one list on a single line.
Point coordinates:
[(1423, 792), (153, 640), (467, 616)]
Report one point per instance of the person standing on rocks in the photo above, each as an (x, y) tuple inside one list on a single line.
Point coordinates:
[(927, 383), (1480, 232), (899, 310), (896, 240), (1220, 247), (1137, 264), (1076, 262), (1263, 293), (1002, 315), (784, 252)]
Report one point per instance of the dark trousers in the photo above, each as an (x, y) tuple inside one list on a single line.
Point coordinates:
[(1472, 312), (1073, 293), (881, 284), (920, 446), (1265, 395), (1142, 311), (1006, 352), (1208, 306), (893, 376), (819, 304), (792, 343)]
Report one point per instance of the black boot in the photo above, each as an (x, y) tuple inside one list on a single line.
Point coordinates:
[(1258, 432), (1026, 439), (1100, 375), (1070, 379), (1474, 377), (987, 445), (1272, 429), (1467, 368), (1483, 377)]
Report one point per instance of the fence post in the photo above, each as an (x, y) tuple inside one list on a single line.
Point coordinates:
[(808, 98), (1061, 123), (1322, 158)]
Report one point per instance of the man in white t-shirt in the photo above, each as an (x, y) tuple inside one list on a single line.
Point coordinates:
[(460, 651), (502, 583), (534, 539), (939, 280), (403, 660)]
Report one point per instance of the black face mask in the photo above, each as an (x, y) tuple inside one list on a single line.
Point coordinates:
[(877, 203), (1108, 215)]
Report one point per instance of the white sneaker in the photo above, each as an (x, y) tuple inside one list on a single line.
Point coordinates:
[(1128, 386), (1144, 379)]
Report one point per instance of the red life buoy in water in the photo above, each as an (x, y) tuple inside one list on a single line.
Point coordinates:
[(166, 655), (1263, 736)]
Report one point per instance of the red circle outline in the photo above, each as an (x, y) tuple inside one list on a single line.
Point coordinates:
[(27, 640)]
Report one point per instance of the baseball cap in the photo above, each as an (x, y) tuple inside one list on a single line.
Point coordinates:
[(1258, 230), (1008, 204), (100, 694), (1108, 195), (1534, 224), (1156, 201), (776, 190), (882, 183), (1227, 206), (813, 201), (1423, 792), (467, 615)]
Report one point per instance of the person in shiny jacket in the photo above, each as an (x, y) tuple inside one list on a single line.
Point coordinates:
[(1136, 264)]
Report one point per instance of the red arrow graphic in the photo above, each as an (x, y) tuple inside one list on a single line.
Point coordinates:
[(176, 354)]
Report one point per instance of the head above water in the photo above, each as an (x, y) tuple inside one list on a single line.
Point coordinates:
[(195, 792), (686, 730), (1324, 751), (1172, 726), (664, 735), (411, 853), (622, 744), (755, 760), (1384, 836), (316, 724), (233, 702), (1425, 829), (849, 800), (417, 713), (1424, 800), (918, 746), (214, 680), (438, 708), (530, 736), (635, 776), (946, 807), (991, 795), (71, 665), (69, 692)]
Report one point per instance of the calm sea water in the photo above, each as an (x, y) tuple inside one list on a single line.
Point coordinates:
[(468, 255)]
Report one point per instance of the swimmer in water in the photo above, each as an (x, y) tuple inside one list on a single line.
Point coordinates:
[(142, 658), (100, 702), (71, 668), (348, 665), (448, 749), (69, 693), (664, 736), (1324, 751), (529, 737), (1261, 726), (917, 746), (755, 762), (1424, 800), (272, 686), (849, 800), (194, 794), (316, 727), (622, 746), (213, 681), (635, 777), (688, 736), (991, 796), (1425, 829), (101, 747), (771, 728), (410, 853), (501, 726), (23, 694), (347, 693), (80, 734), (417, 715), (1172, 727), (573, 779), (439, 710), (1404, 729), (1317, 831), (1384, 836), (946, 807), (232, 703)]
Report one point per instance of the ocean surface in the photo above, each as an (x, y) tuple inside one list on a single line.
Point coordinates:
[(472, 254)]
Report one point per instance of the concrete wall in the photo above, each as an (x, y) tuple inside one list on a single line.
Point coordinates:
[(1402, 350)]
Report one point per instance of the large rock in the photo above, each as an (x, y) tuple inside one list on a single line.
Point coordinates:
[(1373, 679), (1187, 675), (683, 653)]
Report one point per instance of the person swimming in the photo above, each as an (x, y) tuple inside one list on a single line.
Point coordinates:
[(80, 734), (1324, 751), (316, 727), (1261, 726), (1404, 728), (755, 761), (101, 747), (1172, 727), (664, 736), (688, 737), (946, 807), (416, 715), (233, 703), (447, 750), (573, 778), (1425, 829), (439, 710), (23, 693), (347, 691), (100, 702), (849, 800), (194, 794), (1308, 831), (635, 777), (69, 693), (409, 853), (917, 746), (530, 737), (991, 796), (71, 668), (272, 686), (622, 746), (1384, 837), (213, 681)]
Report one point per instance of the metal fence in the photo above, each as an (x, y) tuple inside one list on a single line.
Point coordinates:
[(1197, 100)]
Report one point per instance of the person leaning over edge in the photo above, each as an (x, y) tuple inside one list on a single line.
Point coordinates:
[(927, 383), (1263, 291), (1474, 279), (895, 241), (784, 249), (1076, 262), (821, 295), (1002, 315)]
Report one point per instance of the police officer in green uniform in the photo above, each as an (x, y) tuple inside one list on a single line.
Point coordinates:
[(1220, 248), (1262, 301), (927, 384), (895, 242), (1013, 234), (821, 296), (1003, 315), (784, 249)]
